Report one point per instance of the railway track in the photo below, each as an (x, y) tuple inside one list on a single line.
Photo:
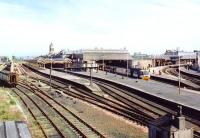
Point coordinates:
[(133, 100), (40, 116), (62, 118), (192, 79), (167, 108), (105, 103), (174, 72), (115, 107), (155, 107), (132, 103), (33, 114)]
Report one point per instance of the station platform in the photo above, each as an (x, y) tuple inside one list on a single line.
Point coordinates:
[(71, 78), (66, 76), (189, 98)]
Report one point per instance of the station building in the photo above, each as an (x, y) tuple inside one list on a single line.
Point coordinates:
[(103, 59), (172, 57), (110, 59), (57, 60)]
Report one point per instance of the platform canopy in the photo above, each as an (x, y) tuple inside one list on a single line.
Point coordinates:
[(54, 61), (99, 54)]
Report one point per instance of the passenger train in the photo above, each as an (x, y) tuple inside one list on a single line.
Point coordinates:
[(132, 72), (142, 74)]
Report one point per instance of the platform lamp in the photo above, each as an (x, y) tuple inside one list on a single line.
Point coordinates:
[(103, 62), (90, 75), (179, 74), (127, 66), (50, 81)]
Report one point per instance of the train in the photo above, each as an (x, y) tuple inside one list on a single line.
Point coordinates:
[(9, 77), (132, 72), (141, 74)]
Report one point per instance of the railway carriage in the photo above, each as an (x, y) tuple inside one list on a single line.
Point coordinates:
[(122, 71), (8, 77), (132, 72)]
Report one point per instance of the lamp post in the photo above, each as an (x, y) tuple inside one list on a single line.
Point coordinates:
[(103, 61), (127, 66), (90, 76), (179, 75), (50, 74), (77, 65)]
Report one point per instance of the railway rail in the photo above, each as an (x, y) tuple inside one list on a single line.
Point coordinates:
[(33, 114), (39, 115), (154, 108), (167, 107), (174, 72), (64, 117), (104, 103), (190, 78), (111, 105)]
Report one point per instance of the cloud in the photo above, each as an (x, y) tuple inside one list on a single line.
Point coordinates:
[(28, 27)]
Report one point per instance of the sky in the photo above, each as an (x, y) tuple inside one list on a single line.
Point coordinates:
[(27, 27)]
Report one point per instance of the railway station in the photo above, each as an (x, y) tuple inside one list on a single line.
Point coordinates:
[(114, 60), (153, 102), (104, 59), (99, 69)]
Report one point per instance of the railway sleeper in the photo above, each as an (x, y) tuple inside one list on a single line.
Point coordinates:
[(84, 128)]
